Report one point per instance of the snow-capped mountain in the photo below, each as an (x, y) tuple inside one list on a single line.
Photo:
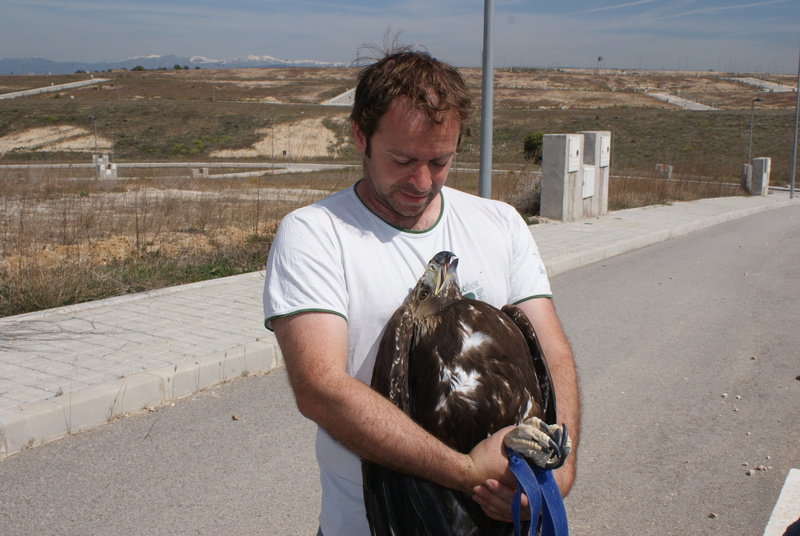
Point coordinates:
[(44, 66)]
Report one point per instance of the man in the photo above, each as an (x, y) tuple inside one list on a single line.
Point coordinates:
[(339, 268)]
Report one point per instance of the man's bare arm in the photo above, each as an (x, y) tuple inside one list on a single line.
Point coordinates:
[(314, 347)]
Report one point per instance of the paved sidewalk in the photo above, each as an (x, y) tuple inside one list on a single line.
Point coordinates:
[(72, 368)]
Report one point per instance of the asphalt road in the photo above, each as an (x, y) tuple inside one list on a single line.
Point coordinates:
[(687, 353), (688, 360)]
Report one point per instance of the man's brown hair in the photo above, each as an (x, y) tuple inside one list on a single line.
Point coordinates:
[(432, 86)]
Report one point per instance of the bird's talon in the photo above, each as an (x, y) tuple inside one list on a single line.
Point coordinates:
[(545, 445)]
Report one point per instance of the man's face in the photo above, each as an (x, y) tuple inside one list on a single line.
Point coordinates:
[(409, 160)]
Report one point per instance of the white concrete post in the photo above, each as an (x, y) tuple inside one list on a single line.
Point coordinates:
[(747, 177), (596, 156), (101, 163), (760, 180), (562, 181), (110, 171)]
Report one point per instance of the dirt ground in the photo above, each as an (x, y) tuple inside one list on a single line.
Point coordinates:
[(114, 227), (312, 137), (305, 139), (559, 89), (53, 139)]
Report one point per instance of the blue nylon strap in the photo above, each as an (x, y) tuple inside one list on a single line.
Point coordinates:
[(554, 516), (543, 496), (527, 484)]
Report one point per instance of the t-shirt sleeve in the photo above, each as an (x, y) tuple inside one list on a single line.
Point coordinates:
[(528, 275), (304, 269)]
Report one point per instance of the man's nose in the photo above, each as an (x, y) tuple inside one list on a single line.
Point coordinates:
[(422, 176)]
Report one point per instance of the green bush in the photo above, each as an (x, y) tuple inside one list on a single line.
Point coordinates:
[(532, 147)]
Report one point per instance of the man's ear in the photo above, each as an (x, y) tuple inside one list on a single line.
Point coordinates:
[(359, 138)]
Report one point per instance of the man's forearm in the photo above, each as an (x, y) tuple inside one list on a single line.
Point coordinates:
[(354, 414), (370, 426), (565, 383)]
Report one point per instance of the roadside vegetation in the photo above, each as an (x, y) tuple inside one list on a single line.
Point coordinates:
[(66, 238)]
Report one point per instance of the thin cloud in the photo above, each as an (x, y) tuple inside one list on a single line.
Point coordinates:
[(618, 6), (723, 8)]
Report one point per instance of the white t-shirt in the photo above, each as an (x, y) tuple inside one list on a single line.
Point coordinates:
[(337, 256)]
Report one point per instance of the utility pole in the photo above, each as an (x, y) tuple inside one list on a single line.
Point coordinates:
[(272, 132), (96, 171), (796, 117), (487, 102), (750, 146)]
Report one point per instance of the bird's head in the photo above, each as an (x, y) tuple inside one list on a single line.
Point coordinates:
[(438, 286)]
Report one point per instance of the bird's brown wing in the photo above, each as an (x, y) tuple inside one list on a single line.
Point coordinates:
[(396, 503), (539, 362), (390, 374)]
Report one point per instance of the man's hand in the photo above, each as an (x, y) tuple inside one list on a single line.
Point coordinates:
[(495, 500), (498, 488), (495, 497), (490, 460)]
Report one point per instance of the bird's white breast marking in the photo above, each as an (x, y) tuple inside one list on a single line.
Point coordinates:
[(473, 339), (462, 384)]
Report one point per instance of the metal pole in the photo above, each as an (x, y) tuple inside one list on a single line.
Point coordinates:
[(96, 171), (613, 143), (487, 102), (750, 146), (796, 117), (272, 130)]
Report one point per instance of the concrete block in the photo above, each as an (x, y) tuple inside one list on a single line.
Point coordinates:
[(193, 374), (561, 177), (180, 379), (663, 170), (593, 255), (760, 180), (25, 427), (597, 154), (101, 403), (58, 417), (747, 176)]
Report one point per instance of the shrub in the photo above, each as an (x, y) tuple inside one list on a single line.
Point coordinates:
[(532, 147)]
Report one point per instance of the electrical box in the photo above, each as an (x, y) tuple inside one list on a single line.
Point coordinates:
[(573, 153), (588, 182), (605, 150)]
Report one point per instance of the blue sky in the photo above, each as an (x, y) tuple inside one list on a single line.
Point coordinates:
[(742, 35)]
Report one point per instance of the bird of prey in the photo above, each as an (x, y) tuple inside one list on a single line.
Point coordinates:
[(462, 369)]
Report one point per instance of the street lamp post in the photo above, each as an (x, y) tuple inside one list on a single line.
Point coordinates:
[(272, 131), (289, 152), (794, 143), (750, 145), (611, 149), (487, 102), (94, 123)]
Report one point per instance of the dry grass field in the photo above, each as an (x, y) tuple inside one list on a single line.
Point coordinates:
[(67, 238)]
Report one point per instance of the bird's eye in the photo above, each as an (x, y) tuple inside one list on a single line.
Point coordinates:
[(423, 294)]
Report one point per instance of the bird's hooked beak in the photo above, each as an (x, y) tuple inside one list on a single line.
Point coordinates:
[(444, 265)]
